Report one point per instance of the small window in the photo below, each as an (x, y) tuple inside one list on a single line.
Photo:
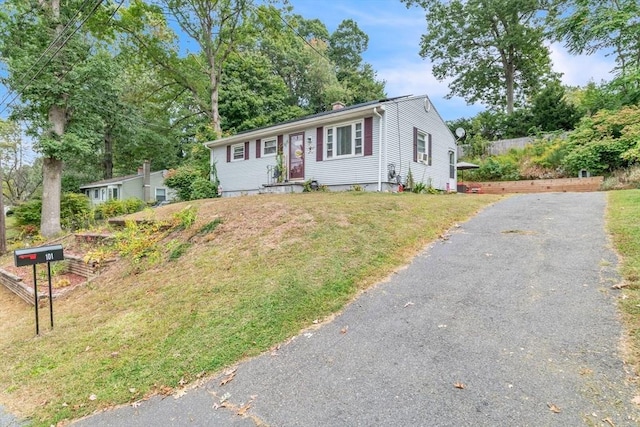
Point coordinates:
[(113, 193), (270, 147), (452, 165), (238, 152), (96, 193), (422, 146), (161, 194)]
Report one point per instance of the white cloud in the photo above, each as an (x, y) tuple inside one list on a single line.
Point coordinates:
[(578, 70), (411, 78)]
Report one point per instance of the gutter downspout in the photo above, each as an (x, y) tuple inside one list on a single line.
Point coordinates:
[(380, 137)]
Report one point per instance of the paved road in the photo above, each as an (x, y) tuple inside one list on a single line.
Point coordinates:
[(515, 306)]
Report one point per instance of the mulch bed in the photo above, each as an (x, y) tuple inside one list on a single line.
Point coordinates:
[(58, 281)]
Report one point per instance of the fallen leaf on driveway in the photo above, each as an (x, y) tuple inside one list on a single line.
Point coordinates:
[(228, 378), (181, 392), (344, 330), (636, 400), (243, 410), (553, 408), (608, 421), (408, 304), (460, 385)]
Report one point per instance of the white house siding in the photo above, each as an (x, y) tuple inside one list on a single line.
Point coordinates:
[(399, 117), (242, 176), (346, 171), (249, 176), (399, 142)]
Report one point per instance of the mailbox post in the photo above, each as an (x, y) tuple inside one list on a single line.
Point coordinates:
[(39, 255)]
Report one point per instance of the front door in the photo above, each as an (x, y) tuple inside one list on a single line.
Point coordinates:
[(296, 156)]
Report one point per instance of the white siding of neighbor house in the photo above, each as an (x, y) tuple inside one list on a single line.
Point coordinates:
[(398, 120), (131, 188)]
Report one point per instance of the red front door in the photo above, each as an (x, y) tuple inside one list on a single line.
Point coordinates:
[(296, 156)]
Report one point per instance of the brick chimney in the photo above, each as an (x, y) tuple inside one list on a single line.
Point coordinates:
[(337, 106)]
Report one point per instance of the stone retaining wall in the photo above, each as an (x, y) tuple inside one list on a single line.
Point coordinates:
[(73, 264), (14, 283)]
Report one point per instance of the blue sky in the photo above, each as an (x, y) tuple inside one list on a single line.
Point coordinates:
[(394, 42)]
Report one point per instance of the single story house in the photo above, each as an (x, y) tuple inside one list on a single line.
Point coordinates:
[(145, 185), (371, 146)]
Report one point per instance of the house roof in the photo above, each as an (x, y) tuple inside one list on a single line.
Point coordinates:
[(117, 180), (345, 112)]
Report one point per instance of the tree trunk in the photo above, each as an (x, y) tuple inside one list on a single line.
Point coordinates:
[(509, 76), (3, 227), (52, 167), (215, 114), (51, 189), (52, 179)]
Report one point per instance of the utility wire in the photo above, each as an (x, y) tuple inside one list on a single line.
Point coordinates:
[(50, 47), (62, 44)]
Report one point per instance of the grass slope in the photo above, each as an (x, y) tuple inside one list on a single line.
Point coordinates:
[(248, 274), (624, 225)]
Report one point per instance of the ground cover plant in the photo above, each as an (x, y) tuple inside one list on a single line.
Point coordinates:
[(236, 277)]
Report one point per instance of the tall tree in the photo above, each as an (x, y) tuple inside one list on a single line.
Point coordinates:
[(48, 52), (492, 49), (603, 25), (346, 46)]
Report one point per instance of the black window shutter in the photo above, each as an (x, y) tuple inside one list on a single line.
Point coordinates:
[(258, 148), (228, 153), (415, 144), (368, 136), (280, 144), (319, 143), (246, 150)]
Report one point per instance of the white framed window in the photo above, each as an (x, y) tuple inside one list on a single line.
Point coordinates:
[(422, 144), (113, 193), (344, 140), (161, 194), (237, 152), (96, 194), (452, 164), (269, 147)]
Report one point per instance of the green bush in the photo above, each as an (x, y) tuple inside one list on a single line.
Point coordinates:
[(112, 208), (28, 213), (202, 188), (74, 211), (181, 179)]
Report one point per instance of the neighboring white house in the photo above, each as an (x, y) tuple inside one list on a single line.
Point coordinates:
[(145, 185), (371, 145)]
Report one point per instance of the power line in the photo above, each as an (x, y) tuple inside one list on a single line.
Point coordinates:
[(59, 48), (51, 45)]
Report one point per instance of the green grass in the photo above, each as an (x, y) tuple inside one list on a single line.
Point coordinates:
[(624, 226), (265, 268)]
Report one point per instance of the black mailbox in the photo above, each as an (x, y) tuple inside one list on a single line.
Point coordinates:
[(38, 255)]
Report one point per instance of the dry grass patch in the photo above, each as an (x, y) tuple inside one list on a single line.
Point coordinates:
[(624, 225), (268, 267)]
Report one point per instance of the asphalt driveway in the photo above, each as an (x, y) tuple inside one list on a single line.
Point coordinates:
[(511, 320)]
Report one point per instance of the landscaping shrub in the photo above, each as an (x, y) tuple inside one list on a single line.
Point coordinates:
[(112, 208), (202, 188), (74, 212)]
